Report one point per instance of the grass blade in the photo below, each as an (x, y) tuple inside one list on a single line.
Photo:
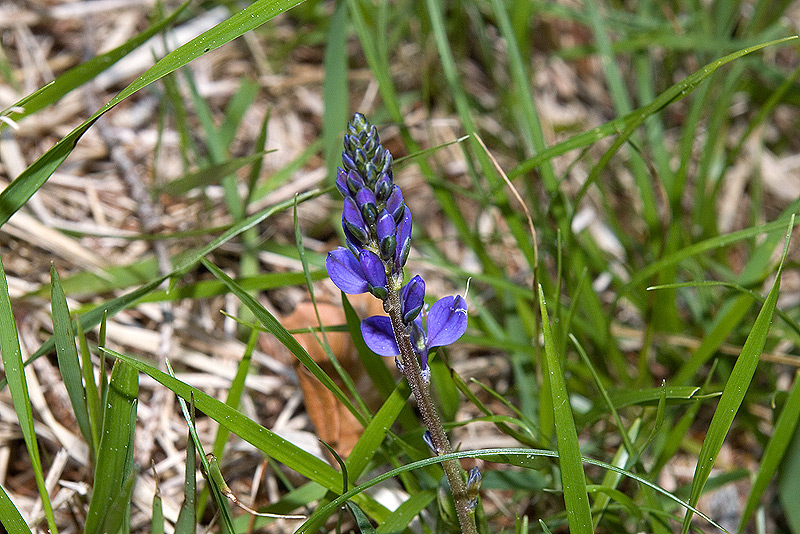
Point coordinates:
[(735, 388), (773, 453), (31, 179), (276, 328), (10, 518), (115, 455), (68, 362), (79, 75), (573, 479), (627, 124), (18, 385), (263, 439)]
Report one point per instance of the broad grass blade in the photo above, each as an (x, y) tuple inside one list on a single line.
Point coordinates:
[(115, 456), (266, 441), (276, 328), (10, 518), (773, 453), (79, 75), (573, 479)]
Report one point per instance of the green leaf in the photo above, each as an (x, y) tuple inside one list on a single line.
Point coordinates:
[(627, 124), (399, 520), (364, 526), (93, 317), (521, 457), (209, 174), (115, 455), (573, 479), (735, 389), (276, 328)]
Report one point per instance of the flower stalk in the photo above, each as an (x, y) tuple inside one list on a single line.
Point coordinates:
[(377, 227)]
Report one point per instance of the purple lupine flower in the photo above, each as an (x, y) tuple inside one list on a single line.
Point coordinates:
[(377, 226)]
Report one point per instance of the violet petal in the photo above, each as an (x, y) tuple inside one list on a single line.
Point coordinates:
[(346, 272), (379, 336), (446, 321)]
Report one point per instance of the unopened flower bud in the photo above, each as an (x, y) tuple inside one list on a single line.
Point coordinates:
[(412, 298), (348, 162), (355, 182), (473, 487), (403, 241), (366, 202), (428, 439), (387, 241), (374, 273), (383, 187), (341, 182), (353, 221), (395, 204)]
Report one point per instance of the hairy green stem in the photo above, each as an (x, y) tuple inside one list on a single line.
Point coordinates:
[(430, 416)]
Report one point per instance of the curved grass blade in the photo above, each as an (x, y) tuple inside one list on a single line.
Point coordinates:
[(361, 519), (735, 388), (31, 179), (94, 316), (79, 75), (627, 124), (573, 479), (263, 439), (283, 335), (520, 457), (187, 517), (216, 490), (14, 370), (713, 243), (399, 520)]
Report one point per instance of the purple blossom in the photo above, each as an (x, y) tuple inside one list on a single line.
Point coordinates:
[(377, 227)]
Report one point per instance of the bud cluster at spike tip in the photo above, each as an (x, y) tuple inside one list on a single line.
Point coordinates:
[(377, 228), (375, 219)]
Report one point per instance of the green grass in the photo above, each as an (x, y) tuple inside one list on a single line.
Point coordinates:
[(672, 102)]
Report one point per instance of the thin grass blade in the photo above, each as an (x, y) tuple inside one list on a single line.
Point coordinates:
[(263, 439), (68, 361), (735, 388), (18, 385), (773, 453)]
